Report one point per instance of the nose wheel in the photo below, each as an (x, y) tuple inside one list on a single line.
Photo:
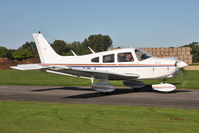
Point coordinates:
[(164, 87)]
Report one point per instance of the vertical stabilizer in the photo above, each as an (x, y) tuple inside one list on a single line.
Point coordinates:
[(46, 53)]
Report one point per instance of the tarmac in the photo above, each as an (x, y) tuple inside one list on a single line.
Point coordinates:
[(180, 98)]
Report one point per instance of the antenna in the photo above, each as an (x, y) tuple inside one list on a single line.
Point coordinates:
[(73, 53), (91, 50)]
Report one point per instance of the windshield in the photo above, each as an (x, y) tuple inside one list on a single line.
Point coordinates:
[(142, 55)]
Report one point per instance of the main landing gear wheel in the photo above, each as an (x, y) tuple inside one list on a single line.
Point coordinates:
[(134, 84), (103, 86)]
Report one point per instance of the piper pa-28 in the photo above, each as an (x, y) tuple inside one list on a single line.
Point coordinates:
[(129, 65)]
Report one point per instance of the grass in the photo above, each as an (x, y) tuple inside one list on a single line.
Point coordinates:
[(14, 77), (33, 117), (39, 117), (194, 64)]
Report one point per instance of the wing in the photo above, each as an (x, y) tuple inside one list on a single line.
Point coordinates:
[(78, 72), (28, 67)]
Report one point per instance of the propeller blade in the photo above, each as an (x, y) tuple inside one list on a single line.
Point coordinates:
[(184, 77)]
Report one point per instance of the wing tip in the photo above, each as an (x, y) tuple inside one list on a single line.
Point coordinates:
[(16, 67)]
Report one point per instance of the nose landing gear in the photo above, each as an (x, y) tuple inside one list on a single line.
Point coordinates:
[(164, 87)]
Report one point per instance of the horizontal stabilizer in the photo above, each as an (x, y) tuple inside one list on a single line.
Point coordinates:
[(28, 67)]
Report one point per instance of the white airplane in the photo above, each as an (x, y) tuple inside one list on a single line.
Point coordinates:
[(129, 65)]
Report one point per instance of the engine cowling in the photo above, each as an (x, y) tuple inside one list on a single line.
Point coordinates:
[(134, 83)]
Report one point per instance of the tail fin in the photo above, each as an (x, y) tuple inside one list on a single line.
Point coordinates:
[(46, 53)]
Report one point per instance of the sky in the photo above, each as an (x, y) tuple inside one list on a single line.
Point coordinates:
[(129, 23)]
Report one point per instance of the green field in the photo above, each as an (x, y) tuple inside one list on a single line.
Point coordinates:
[(14, 77), (32, 117), (39, 117)]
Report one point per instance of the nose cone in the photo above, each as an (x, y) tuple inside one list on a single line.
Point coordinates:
[(181, 64)]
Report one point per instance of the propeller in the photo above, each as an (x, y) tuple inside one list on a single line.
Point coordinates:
[(181, 65), (184, 76)]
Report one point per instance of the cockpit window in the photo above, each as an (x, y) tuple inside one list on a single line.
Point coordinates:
[(142, 55), (96, 59), (108, 58), (125, 57)]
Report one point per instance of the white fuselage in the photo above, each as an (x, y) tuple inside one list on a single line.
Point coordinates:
[(150, 68)]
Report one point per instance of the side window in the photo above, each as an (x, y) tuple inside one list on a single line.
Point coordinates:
[(125, 57), (108, 58), (96, 59)]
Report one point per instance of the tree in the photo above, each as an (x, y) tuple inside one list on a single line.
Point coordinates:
[(22, 54), (5, 53), (78, 48), (195, 50), (60, 47), (195, 53), (191, 44), (30, 46), (98, 42)]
